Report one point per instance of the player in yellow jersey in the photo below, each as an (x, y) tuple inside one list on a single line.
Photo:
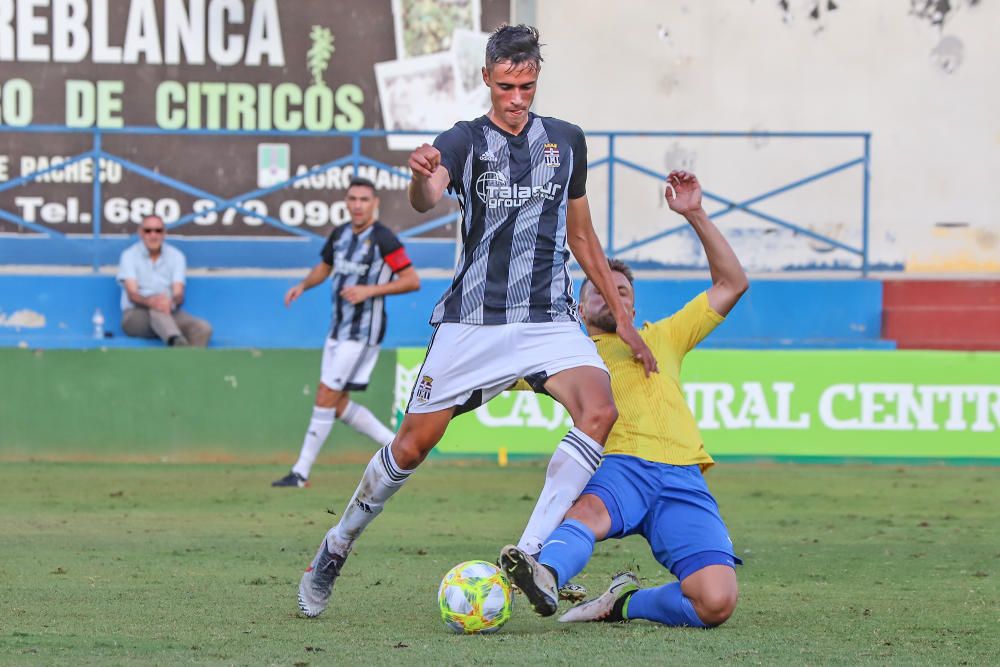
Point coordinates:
[(650, 480)]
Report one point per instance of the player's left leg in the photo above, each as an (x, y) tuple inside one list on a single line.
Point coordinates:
[(563, 556), (713, 592), (704, 599), (328, 403), (354, 414), (585, 392), (613, 504), (686, 532), (346, 366)]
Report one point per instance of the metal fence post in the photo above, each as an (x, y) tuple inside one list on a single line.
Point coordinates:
[(96, 206), (865, 205), (611, 195), (356, 153)]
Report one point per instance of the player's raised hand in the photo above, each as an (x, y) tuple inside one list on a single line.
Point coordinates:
[(683, 192), (641, 352), (293, 293), (425, 160)]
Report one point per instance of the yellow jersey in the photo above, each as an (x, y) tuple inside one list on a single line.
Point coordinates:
[(654, 421)]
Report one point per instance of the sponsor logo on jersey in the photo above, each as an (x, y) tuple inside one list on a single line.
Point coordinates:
[(494, 190), (488, 156), (550, 153), (423, 393), (344, 265)]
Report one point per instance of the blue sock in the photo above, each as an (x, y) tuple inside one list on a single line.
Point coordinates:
[(567, 550), (663, 604)]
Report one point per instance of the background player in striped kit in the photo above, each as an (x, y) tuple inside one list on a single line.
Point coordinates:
[(650, 482), (363, 258), (509, 313)]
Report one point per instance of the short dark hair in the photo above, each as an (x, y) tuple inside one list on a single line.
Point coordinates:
[(358, 181), (615, 265), (517, 44)]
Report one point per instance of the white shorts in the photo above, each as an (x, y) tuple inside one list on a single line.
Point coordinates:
[(347, 364), (468, 364)]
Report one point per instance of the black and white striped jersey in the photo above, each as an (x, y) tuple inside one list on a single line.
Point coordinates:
[(368, 258), (513, 192)]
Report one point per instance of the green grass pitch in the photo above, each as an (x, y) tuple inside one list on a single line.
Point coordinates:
[(127, 564)]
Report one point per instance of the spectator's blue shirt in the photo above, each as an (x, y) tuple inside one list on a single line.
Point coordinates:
[(152, 277)]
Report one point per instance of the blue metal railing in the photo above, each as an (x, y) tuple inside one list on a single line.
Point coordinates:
[(357, 158)]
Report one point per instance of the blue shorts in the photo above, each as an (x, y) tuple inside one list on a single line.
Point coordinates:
[(670, 506)]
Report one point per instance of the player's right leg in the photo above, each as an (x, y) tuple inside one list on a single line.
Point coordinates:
[(461, 371), (386, 473)]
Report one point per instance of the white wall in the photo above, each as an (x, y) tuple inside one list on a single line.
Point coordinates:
[(738, 65)]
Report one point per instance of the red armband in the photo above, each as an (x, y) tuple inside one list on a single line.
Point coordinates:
[(397, 260)]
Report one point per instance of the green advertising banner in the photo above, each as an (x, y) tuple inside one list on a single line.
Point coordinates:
[(840, 404)]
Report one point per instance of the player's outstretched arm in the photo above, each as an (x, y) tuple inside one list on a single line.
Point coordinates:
[(430, 178), (406, 280), (729, 280), (586, 247), (317, 275)]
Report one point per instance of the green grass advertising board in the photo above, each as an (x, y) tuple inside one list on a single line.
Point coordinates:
[(863, 404)]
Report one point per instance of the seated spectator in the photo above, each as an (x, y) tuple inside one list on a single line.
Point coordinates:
[(152, 277)]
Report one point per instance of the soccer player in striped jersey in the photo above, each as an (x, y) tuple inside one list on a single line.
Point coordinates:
[(650, 481), (367, 263), (509, 313)]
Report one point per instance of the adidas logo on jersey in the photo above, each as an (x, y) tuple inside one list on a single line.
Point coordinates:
[(488, 157)]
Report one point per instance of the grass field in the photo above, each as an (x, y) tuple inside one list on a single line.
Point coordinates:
[(171, 564)]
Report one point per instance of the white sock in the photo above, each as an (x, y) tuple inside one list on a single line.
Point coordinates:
[(570, 468), (363, 421), (382, 478), (319, 428)]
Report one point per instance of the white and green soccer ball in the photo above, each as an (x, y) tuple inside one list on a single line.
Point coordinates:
[(474, 598)]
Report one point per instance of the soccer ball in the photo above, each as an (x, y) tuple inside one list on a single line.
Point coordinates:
[(474, 598)]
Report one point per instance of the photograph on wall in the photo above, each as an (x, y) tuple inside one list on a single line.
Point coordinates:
[(417, 94), (468, 50), (428, 26)]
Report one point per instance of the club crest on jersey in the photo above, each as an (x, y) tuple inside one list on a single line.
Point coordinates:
[(550, 154), (423, 393), (495, 191)]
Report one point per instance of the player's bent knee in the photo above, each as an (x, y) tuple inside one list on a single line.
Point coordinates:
[(416, 438), (716, 606), (597, 420), (408, 452)]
